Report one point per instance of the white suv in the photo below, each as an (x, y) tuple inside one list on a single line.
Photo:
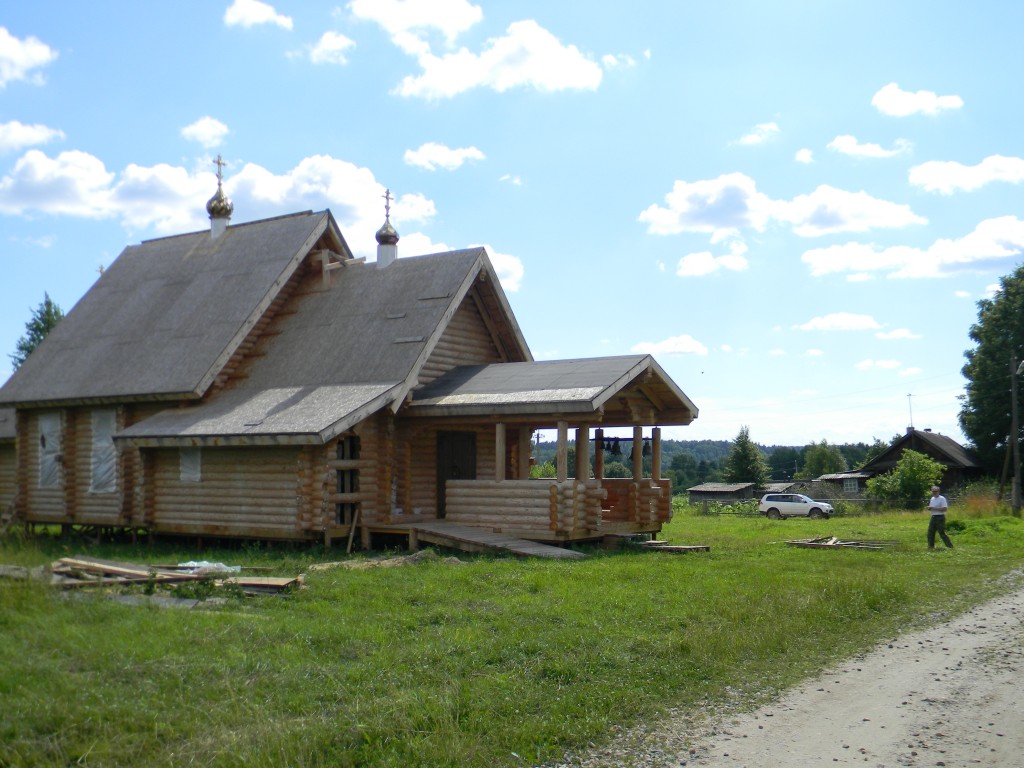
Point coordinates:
[(781, 505)]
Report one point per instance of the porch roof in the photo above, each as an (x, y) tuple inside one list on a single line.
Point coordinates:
[(284, 415), (625, 390)]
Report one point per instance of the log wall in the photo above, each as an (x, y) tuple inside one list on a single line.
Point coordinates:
[(419, 484), (41, 505), (568, 507), (466, 341), (258, 492)]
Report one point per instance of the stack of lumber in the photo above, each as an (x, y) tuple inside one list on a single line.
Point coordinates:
[(831, 542), (81, 571)]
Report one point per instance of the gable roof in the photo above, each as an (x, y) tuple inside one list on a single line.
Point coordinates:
[(584, 386), (340, 353), (942, 448), (166, 316)]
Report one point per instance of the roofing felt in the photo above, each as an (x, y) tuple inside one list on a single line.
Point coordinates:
[(336, 351), (568, 385), (314, 412), (720, 487), (157, 322)]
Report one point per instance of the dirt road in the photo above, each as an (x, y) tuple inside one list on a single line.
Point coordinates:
[(952, 695)]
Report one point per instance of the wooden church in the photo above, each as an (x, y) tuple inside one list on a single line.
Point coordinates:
[(256, 380)]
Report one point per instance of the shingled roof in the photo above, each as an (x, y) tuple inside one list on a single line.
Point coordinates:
[(166, 316), (558, 387), (340, 354)]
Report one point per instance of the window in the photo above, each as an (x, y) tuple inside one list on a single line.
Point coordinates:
[(850, 485), (190, 465), (348, 478), (104, 454), (49, 450)]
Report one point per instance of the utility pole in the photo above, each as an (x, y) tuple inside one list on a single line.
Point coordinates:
[(1015, 371)]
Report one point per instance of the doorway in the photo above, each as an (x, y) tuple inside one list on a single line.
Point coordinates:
[(456, 460)]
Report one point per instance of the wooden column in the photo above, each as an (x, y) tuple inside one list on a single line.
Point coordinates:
[(525, 443), (638, 453), (599, 454), (562, 452), (656, 454), (499, 452), (582, 453)]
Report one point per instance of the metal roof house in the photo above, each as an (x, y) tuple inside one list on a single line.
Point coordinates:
[(257, 380), (960, 464)]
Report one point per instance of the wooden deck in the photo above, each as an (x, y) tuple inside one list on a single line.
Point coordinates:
[(470, 539)]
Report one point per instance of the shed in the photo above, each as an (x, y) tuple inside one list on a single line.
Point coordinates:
[(722, 493)]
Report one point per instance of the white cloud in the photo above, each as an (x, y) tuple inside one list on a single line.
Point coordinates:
[(776, 352), (948, 177), (999, 238), (73, 183), (848, 145), (962, 294), (814, 353), (893, 100), (897, 333), (331, 48), (615, 61), (515, 181), (409, 21), (526, 56), (909, 372), (171, 199), (704, 263), (19, 59), (509, 268), (724, 206), (249, 13), (762, 132), (804, 156), (432, 156), (15, 136), (840, 321), (207, 130), (675, 345)]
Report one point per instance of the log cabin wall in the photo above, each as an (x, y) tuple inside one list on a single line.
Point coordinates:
[(419, 486), (35, 504), (85, 505), (466, 341), (250, 492)]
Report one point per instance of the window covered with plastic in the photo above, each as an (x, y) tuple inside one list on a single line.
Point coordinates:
[(104, 454), (49, 450)]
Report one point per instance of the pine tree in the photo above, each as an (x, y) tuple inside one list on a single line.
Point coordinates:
[(746, 463), (44, 319)]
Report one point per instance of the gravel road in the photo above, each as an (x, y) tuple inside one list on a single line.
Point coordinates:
[(948, 696)]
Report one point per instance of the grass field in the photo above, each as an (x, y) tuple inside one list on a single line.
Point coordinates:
[(491, 662)]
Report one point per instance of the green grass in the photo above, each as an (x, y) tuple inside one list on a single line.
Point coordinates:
[(495, 662)]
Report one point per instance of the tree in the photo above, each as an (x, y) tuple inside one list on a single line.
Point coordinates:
[(985, 411), (909, 482), (821, 459), (783, 463), (44, 319), (746, 463), (876, 449)]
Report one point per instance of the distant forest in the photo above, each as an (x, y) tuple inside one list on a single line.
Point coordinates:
[(691, 462)]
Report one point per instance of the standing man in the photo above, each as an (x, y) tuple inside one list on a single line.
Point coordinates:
[(937, 506)]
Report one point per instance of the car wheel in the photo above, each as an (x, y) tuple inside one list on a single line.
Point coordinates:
[(817, 514), (774, 514)]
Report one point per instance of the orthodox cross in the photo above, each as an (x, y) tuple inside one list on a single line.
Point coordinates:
[(387, 203), (220, 169)]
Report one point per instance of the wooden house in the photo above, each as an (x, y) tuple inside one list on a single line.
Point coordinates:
[(960, 465), (257, 380), (721, 493)]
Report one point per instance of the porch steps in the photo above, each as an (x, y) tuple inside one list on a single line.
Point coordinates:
[(470, 539)]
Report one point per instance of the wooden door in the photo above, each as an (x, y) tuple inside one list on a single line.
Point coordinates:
[(456, 460)]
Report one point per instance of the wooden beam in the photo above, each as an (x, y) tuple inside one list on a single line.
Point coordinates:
[(638, 453), (499, 452), (582, 453), (599, 453), (656, 454), (561, 452)]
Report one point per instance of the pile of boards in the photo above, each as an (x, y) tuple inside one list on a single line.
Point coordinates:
[(831, 542), (81, 571), (677, 549)]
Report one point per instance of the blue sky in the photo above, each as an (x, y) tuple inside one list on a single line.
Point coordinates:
[(794, 206)]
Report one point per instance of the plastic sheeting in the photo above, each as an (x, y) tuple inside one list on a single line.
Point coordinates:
[(104, 454), (49, 450), (190, 462)]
